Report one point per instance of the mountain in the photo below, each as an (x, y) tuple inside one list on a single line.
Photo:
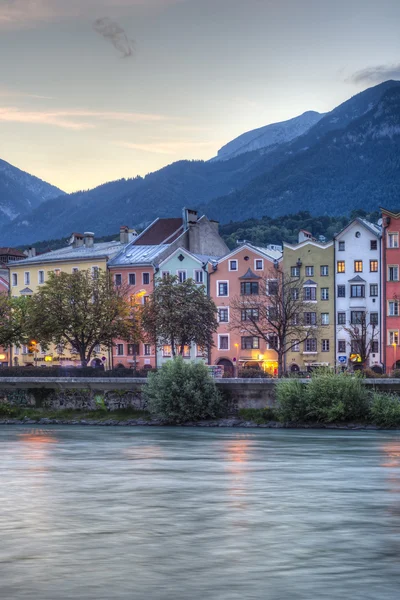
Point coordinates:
[(269, 136), (348, 159), (357, 166), (21, 192)]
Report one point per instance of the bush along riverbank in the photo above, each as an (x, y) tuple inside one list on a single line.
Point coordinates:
[(182, 393)]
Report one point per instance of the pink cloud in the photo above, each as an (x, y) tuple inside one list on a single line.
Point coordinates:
[(166, 147)]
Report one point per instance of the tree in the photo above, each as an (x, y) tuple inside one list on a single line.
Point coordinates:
[(363, 335), (179, 314), (278, 314), (14, 320), (81, 309)]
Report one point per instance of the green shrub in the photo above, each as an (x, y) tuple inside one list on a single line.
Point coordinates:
[(291, 398), (253, 374), (182, 391), (258, 415), (385, 409), (331, 397)]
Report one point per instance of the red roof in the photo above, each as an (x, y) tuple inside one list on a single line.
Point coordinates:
[(12, 252), (161, 231)]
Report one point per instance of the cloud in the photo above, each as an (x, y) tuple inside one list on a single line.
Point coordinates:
[(115, 34), (376, 74), (166, 147), (73, 119)]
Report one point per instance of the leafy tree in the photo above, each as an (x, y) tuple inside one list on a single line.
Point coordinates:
[(278, 314), (82, 310), (179, 314), (182, 391), (14, 320)]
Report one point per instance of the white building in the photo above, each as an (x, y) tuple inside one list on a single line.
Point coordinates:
[(358, 288)]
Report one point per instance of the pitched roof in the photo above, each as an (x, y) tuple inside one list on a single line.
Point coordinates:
[(161, 231), (11, 251), (310, 282), (26, 291), (69, 253), (137, 255), (250, 275), (357, 279)]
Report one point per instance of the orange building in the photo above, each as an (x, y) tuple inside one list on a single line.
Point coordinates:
[(236, 274)]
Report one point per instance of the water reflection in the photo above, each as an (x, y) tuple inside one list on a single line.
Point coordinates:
[(173, 514)]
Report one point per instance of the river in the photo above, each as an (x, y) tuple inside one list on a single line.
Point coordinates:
[(193, 514)]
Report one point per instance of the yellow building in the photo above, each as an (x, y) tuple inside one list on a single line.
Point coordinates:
[(28, 275)]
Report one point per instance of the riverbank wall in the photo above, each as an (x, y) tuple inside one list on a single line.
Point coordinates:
[(117, 393)]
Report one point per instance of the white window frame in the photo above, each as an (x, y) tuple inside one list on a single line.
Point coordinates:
[(393, 267), (165, 274), (27, 278), (262, 264), (144, 350), (323, 341), (95, 271), (323, 290), (233, 260), (295, 346), (143, 274), (14, 279), (394, 303), (134, 277), (40, 276), (123, 350), (223, 308), (115, 279), (322, 270), (195, 271), (229, 342), (325, 314), (312, 271), (395, 236), (341, 342), (181, 271), (227, 283), (390, 335)]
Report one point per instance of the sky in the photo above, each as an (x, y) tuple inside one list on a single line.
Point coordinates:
[(97, 90)]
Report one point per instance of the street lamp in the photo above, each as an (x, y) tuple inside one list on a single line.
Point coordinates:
[(395, 355), (237, 356), (134, 299)]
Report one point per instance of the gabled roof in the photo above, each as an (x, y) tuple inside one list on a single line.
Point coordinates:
[(160, 231), (371, 227), (26, 291), (312, 242), (69, 253), (309, 282), (271, 255), (250, 275), (11, 252), (137, 255), (395, 215), (200, 258), (357, 279)]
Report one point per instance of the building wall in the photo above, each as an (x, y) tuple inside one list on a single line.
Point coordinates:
[(390, 289), (357, 243), (234, 355), (316, 255)]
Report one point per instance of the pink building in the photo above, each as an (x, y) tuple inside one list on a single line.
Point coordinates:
[(237, 274)]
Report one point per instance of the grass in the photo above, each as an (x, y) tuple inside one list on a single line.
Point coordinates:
[(11, 412)]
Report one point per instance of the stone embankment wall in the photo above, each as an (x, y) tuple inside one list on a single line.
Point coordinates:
[(115, 393)]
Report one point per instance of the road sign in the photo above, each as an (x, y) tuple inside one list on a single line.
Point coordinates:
[(342, 359)]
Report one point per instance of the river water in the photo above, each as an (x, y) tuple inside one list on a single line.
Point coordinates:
[(191, 514)]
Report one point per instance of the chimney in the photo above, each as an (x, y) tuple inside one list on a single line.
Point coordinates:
[(124, 234), (189, 217), (215, 224), (88, 239), (76, 240), (31, 252)]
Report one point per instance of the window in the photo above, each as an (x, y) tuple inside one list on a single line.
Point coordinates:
[(259, 264), (393, 337), (223, 342), (165, 274), (273, 313), (295, 271), (14, 279), (357, 291), (147, 349), (295, 319), (393, 273), (374, 346), (310, 345), (16, 350), (357, 234), (392, 240), (132, 279), (341, 266), (373, 318), (272, 287), (118, 280), (181, 276), (310, 293), (24, 349), (95, 272), (222, 288), (324, 293), (295, 346), (201, 351), (358, 266), (250, 343), (342, 246), (223, 315), (97, 348), (120, 349), (355, 345), (341, 291), (310, 318), (373, 289), (41, 276), (133, 349), (393, 308), (341, 318), (272, 342), (27, 278), (295, 293), (250, 314), (374, 244), (324, 318), (166, 351), (233, 265), (325, 345), (198, 276), (373, 266), (341, 346), (75, 269), (146, 278), (309, 271), (357, 317), (249, 288), (324, 270)]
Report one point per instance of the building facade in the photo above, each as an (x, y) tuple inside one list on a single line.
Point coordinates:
[(358, 293), (312, 262), (390, 289)]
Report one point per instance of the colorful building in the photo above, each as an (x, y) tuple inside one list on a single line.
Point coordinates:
[(390, 289), (358, 293), (238, 274), (312, 262), (8, 257)]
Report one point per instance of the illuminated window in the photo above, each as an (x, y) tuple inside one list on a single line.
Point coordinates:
[(250, 343), (358, 266), (373, 266), (393, 337), (341, 266)]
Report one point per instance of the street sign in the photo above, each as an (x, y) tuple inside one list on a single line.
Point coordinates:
[(103, 358), (342, 359)]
